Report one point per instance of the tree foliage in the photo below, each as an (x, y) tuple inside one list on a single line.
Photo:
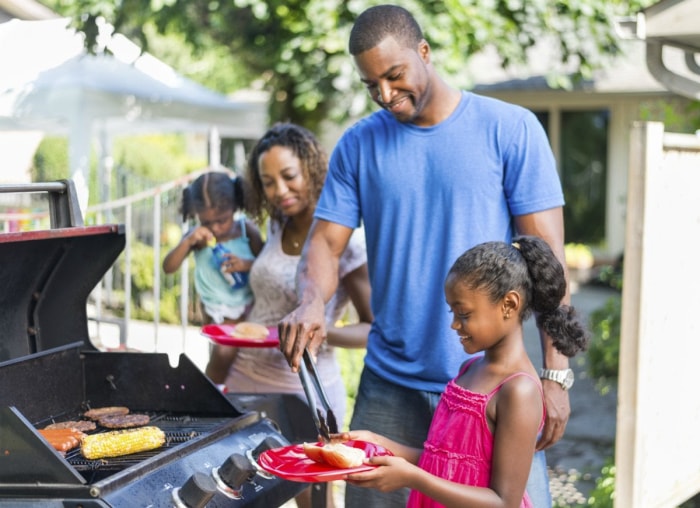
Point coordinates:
[(296, 49)]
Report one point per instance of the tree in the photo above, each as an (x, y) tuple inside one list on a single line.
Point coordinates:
[(296, 49)]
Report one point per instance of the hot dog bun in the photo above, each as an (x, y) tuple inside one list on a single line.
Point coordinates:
[(335, 454), (313, 452), (249, 330)]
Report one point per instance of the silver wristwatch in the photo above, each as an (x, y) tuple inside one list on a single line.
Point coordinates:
[(564, 377)]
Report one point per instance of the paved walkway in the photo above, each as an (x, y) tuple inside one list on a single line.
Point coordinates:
[(575, 461)]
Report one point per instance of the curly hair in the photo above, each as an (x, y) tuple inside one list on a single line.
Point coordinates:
[(529, 267), (377, 23), (305, 146)]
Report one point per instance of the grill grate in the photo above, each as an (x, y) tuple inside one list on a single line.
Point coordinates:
[(178, 429)]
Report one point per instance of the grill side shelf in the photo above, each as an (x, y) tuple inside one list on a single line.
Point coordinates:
[(25, 458)]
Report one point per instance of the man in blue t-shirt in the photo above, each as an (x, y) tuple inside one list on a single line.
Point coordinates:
[(433, 173)]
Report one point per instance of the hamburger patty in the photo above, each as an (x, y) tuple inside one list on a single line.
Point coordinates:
[(81, 425), (124, 421), (99, 412)]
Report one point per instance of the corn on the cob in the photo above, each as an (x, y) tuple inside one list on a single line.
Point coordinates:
[(121, 442)]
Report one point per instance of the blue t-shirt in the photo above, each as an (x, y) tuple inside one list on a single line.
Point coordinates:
[(424, 196)]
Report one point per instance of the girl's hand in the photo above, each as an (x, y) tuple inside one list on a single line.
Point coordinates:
[(235, 264), (393, 473), (199, 237)]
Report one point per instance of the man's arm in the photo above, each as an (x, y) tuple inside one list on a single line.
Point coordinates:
[(317, 280), (549, 225)]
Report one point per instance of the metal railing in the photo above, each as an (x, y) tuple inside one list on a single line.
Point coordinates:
[(145, 216)]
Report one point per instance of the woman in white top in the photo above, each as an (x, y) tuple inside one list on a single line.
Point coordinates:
[(286, 170)]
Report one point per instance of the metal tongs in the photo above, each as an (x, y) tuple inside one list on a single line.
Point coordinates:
[(326, 425)]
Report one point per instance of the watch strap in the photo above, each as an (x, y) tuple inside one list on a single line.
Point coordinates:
[(564, 377)]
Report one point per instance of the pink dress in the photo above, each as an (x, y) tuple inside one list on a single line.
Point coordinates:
[(459, 446)]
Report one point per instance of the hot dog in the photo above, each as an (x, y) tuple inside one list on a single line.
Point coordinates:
[(335, 454), (62, 440)]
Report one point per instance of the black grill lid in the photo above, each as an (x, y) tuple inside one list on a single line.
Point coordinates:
[(47, 276)]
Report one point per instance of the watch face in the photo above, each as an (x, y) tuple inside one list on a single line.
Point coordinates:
[(569, 379)]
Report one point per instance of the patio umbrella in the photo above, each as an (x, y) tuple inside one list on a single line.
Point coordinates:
[(48, 83)]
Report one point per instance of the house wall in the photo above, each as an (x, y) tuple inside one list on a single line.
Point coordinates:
[(624, 110)]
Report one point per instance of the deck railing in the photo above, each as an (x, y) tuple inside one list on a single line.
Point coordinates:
[(146, 216)]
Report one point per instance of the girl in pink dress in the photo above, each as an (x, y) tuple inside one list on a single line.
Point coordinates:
[(482, 438)]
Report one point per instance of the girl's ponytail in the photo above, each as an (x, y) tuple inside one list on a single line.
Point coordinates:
[(186, 206), (560, 322), (241, 194)]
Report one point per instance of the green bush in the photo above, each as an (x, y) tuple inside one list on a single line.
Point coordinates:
[(603, 363), (603, 495), (351, 363), (604, 349), (142, 281), (51, 160)]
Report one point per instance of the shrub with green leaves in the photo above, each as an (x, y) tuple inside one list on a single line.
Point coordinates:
[(604, 349), (603, 495)]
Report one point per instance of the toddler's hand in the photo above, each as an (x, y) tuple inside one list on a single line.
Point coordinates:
[(199, 237), (235, 264)]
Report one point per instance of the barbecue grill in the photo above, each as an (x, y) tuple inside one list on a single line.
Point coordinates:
[(50, 372)]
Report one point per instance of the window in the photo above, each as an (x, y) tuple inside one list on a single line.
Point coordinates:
[(583, 156), (583, 163)]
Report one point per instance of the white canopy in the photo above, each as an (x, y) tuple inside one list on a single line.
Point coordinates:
[(48, 83)]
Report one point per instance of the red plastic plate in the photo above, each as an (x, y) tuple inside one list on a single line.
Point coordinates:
[(291, 463), (222, 334)]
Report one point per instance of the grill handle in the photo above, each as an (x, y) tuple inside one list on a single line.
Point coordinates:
[(64, 209)]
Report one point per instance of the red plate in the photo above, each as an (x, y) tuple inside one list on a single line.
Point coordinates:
[(291, 463), (221, 334)]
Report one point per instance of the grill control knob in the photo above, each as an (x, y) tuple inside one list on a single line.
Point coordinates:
[(233, 473), (268, 443), (196, 492)]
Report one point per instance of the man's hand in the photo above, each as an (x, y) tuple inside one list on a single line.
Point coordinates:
[(301, 329), (558, 412)]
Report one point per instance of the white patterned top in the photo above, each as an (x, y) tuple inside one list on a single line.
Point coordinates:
[(272, 279)]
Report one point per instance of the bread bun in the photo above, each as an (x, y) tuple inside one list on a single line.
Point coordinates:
[(336, 455), (313, 452), (248, 330)]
